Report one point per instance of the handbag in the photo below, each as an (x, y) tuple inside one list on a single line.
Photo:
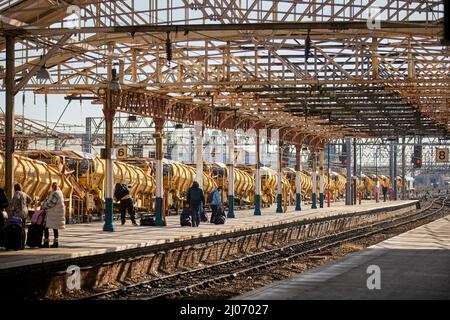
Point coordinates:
[(38, 217), (203, 216)]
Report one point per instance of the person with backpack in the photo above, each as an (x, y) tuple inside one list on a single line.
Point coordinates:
[(55, 215), (122, 194), (215, 200), (17, 217), (19, 203), (196, 199)]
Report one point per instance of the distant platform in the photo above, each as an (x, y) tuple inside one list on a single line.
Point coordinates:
[(413, 265), (84, 240)]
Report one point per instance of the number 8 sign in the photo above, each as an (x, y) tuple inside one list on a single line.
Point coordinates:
[(441, 154)]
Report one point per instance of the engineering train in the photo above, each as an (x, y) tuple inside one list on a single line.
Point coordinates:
[(81, 177)]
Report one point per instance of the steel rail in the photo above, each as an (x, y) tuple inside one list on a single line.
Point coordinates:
[(286, 252)]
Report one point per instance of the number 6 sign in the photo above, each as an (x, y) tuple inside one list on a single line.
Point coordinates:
[(122, 152), (441, 154)]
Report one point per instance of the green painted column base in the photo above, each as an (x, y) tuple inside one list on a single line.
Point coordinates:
[(279, 203), (298, 202), (257, 205), (108, 226), (159, 212), (314, 201), (230, 207), (321, 198)]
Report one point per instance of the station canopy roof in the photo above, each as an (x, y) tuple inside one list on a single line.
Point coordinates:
[(312, 68)]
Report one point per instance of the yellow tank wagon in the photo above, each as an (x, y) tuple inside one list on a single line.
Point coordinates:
[(244, 183), (176, 176), (289, 173), (399, 185), (36, 178), (368, 186), (141, 183), (182, 178), (339, 181)]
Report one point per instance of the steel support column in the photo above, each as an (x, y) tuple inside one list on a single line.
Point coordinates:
[(280, 179), (391, 164), (257, 177), (314, 180), (403, 169), (198, 125), (394, 189), (230, 141), (9, 117), (109, 112), (355, 178), (377, 182), (160, 214), (321, 176), (348, 187), (298, 177)]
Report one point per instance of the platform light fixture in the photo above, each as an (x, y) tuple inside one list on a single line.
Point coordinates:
[(114, 84), (43, 74)]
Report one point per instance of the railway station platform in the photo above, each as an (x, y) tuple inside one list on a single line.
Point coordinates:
[(81, 240), (106, 259), (413, 265)]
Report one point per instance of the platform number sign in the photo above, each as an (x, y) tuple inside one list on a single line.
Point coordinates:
[(441, 154), (122, 152)]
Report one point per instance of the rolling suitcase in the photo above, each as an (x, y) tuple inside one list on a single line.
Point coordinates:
[(185, 217), (14, 234), (148, 220), (220, 216), (185, 221), (36, 230), (35, 235)]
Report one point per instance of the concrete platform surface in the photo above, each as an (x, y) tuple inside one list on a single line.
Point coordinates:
[(413, 265), (80, 240)]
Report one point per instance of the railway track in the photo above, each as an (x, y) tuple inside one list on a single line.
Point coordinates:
[(184, 282)]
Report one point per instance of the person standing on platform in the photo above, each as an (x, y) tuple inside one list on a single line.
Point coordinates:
[(122, 194), (196, 199), (215, 202), (384, 189), (19, 204), (55, 217), (4, 203)]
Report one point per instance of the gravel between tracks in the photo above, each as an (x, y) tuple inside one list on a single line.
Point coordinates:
[(229, 287), (245, 283)]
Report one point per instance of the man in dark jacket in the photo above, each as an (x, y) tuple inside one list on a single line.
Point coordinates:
[(196, 199), (122, 194)]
